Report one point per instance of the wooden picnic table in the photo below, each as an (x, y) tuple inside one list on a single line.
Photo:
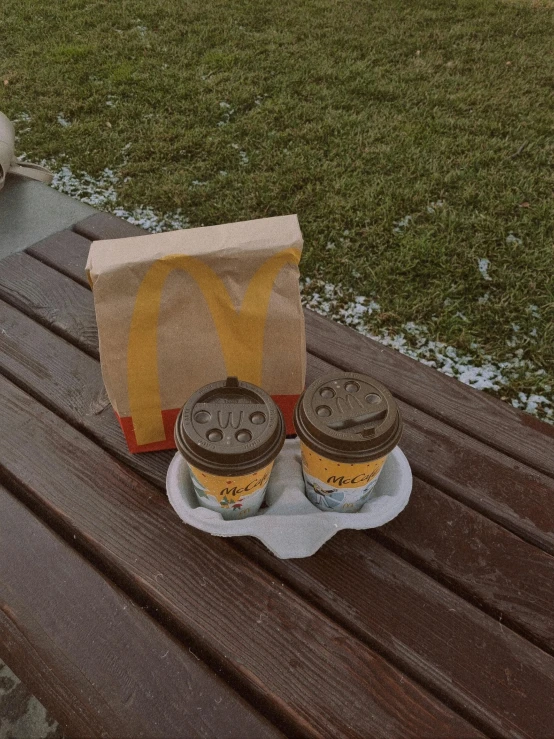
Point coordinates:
[(125, 622)]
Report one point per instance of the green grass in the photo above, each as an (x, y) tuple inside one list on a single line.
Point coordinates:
[(352, 114)]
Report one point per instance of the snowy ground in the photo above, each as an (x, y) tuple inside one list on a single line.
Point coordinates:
[(477, 368)]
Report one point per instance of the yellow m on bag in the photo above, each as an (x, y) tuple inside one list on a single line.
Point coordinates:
[(180, 309), (240, 332)]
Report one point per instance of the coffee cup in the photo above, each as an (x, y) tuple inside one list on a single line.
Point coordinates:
[(230, 433), (347, 424)]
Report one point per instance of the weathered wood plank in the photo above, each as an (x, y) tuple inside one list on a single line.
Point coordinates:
[(498, 424), (483, 668), (96, 660), (66, 251), (70, 381), (510, 493), (482, 561), (106, 226), (503, 489), (276, 648), (51, 298)]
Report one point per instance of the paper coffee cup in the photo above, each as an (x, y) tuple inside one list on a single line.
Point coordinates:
[(347, 424), (230, 433)]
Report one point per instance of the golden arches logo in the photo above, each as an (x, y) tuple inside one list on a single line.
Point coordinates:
[(240, 332), (224, 419), (351, 402)]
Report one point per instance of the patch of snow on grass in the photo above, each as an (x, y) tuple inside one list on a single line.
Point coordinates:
[(227, 113), (478, 370), (96, 191), (511, 239), (242, 154), (62, 121), (532, 403), (22, 118), (403, 223), (101, 193), (433, 207), (484, 265), (147, 219)]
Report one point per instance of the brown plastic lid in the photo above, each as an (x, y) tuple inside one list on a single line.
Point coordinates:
[(230, 428), (348, 417)]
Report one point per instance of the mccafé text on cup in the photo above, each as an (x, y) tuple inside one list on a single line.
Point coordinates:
[(347, 424), (230, 433)]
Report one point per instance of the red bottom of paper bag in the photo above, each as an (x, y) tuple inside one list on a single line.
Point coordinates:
[(285, 402)]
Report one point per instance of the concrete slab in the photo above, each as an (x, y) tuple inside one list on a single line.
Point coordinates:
[(31, 211)]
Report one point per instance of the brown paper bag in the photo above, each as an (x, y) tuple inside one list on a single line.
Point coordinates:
[(180, 309)]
